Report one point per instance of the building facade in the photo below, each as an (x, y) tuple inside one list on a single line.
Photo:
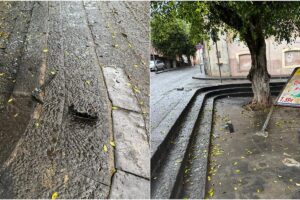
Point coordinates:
[(235, 59)]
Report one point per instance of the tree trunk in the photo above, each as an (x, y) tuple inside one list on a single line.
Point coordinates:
[(258, 74)]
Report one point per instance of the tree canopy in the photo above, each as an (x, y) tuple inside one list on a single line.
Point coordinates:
[(171, 36), (252, 21)]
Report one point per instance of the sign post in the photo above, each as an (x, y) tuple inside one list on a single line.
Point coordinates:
[(214, 37), (199, 47)]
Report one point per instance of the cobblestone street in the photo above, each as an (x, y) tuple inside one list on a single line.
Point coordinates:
[(87, 135)]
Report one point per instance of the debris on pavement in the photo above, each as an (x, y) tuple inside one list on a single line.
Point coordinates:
[(229, 126), (37, 91), (91, 114), (262, 133), (290, 162)]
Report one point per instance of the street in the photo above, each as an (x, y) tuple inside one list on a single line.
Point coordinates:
[(164, 94)]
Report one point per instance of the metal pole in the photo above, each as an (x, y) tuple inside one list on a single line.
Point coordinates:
[(218, 61), (200, 61)]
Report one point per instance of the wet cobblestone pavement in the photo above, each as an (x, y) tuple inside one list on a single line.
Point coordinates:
[(97, 54)]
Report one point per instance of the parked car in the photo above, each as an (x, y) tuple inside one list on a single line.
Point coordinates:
[(157, 65)]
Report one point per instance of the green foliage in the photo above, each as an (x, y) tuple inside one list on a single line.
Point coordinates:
[(169, 34), (247, 19)]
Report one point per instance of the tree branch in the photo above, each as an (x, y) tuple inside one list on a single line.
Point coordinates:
[(228, 16)]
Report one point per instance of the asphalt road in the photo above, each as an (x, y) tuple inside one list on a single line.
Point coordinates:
[(164, 93)]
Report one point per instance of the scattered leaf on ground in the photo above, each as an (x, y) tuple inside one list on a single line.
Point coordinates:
[(104, 148), (135, 66), (16, 115), (2, 74), (114, 107), (54, 195), (45, 50), (237, 171), (10, 100), (112, 143), (211, 192)]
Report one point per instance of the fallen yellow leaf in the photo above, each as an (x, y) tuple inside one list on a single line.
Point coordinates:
[(10, 100), (104, 148), (45, 50), (54, 195), (112, 143), (211, 192), (2, 74), (114, 107)]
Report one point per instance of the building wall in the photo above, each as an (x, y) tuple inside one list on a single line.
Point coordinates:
[(236, 61), (212, 58)]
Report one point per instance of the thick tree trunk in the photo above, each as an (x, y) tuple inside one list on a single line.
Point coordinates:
[(258, 74)]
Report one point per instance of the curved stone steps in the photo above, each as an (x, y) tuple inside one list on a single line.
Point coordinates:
[(171, 155)]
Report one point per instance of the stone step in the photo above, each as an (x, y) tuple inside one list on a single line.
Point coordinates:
[(168, 161)]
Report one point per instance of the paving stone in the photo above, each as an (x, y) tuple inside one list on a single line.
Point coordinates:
[(119, 88), (132, 148), (127, 186)]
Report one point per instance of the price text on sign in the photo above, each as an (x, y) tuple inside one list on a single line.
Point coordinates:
[(290, 95)]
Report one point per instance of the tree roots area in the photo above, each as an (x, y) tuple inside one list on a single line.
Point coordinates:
[(243, 164)]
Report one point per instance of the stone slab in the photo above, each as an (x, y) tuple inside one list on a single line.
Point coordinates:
[(132, 148), (127, 186), (119, 88)]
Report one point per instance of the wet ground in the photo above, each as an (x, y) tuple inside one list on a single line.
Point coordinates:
[(244, 165), (164, 94), (79, 142)]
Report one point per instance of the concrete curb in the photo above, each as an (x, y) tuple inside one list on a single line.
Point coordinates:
[(166, 70)]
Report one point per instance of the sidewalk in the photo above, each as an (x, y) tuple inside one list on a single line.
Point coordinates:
[(244, 165)]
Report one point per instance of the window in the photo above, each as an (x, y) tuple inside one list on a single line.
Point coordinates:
[(291, 58)]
